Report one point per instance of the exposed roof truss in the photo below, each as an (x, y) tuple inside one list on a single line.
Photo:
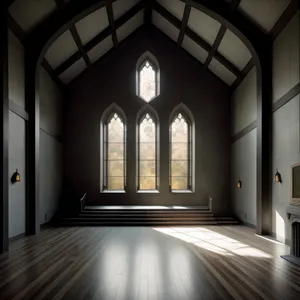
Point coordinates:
[(217, 58)]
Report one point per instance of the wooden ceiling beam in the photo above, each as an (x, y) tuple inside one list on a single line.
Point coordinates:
[(110, 16), (79, 44), (234, 4), (196, 38), (62, 5), (284, 19), (279, 26), (148, 13), (249, 66), (185, 19), (15, 28), (101, 36)]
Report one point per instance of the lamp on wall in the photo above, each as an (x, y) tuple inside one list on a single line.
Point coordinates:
[(239, 184), (15, 177), (277, 177)]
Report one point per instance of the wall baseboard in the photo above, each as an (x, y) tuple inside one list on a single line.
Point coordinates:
[(286, 241), (17, 237), (247, 224)]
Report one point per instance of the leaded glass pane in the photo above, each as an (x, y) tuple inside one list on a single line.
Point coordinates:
[(147, 168), (115, 168), (147, 153), (147, 183), (115, 183), (180, 129), (179, 168), (180, 150), (180, 147), (147, 82), (179, 183), (114, 153), (147, 129), (115, 129)]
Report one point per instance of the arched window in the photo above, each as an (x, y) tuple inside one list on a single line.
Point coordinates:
[(181, 150), (147, 149), (113, 150), (147, 77)]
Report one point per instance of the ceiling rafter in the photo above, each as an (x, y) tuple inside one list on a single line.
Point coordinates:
[(110, 16), (15, 28), (249, 66), (148, 12), (62, 5), (284, 19), (185, 19), (233, 4), (279, 26), (101, 36), (196, 38)]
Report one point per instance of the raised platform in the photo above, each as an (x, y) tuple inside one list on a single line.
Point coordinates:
[(145, 216), (143, 207)]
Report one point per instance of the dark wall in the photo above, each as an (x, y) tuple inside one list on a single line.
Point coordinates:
[(182, 80)]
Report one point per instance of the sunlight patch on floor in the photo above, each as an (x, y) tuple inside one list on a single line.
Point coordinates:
[(213, 241)]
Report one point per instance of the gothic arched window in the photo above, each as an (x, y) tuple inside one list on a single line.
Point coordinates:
[(147, 150), (147, 77), (181, 150), (113, 151)]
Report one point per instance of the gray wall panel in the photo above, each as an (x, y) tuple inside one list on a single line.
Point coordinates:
[(16, 71), (243, 105), (243, 159), (16, 161), (51, 173), (286, 152), (286, 59)]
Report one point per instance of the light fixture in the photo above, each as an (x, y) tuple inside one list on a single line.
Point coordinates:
[(239, 184), (15, 177), (277, 177)]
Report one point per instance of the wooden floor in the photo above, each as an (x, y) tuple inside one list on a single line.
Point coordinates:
[(147, 263)]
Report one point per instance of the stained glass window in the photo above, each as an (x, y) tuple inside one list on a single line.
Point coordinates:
[(180, 153), (114, 153), (147, 81), (147, 153)]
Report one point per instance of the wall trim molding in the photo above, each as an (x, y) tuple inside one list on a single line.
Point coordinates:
[(22, 113), (17, 237), (247, 224), (286, 241), (291, 94), (244, 131), (18, 110)]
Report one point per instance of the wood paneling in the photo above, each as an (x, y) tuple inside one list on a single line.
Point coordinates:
[(211, 262), (4, 132)]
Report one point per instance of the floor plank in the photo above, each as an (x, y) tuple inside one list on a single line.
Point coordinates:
[(117, 263)]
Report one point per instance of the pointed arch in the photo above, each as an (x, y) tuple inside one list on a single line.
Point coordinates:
[(113, 149), (147, 149), (147, 77), (182, 149)]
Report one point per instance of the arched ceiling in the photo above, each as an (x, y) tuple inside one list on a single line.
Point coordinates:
[(212, 44)]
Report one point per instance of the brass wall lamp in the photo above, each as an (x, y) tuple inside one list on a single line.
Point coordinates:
[(277, 177), (15, 177), (239, 184)]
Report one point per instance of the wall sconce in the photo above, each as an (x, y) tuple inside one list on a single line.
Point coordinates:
[(15, 177), (277, 177), (239, 184)]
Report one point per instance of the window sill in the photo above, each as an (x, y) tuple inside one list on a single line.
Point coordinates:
[(113, 192), (181, 191), (147, 192)]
